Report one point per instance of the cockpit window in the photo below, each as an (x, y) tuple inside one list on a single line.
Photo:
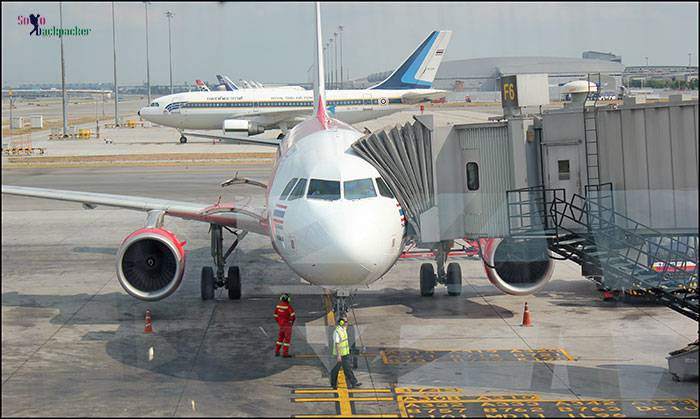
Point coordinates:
[(328, 190), (359, 189), (383, 189), (154, 105), (288, 188), (298, 191)]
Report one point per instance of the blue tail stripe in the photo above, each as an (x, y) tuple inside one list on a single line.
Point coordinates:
[(404, 77)]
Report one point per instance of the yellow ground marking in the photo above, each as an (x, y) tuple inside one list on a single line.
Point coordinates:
[(566, 354), (363, 415), (338, 399), (325, 391)]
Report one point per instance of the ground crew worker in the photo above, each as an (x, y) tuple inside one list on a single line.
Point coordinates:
[(285, 316), (341, 351)]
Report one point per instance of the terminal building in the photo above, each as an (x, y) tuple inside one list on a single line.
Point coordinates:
[(483, 74)]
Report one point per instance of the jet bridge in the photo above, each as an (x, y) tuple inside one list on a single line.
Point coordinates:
[(451, 182)]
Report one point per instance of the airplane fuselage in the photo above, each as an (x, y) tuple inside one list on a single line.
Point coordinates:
[(329, 218), (271, 107)]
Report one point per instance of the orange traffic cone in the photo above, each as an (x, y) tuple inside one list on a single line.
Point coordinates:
[(149, 324), (526, 317)]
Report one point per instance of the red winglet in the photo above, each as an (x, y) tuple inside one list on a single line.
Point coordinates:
[(321, 115)]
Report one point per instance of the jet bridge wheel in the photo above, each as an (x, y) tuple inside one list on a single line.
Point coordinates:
[(233, 283), (183, 139), (427, 280), (208, 283), (454, 279)]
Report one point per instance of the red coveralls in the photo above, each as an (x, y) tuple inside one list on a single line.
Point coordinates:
[(284, 314)]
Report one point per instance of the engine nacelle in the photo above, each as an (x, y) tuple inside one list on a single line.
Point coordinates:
[(242, 125), (151, 263), (517, 267)]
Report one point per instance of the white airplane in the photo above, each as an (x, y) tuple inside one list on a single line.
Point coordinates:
[(328, 214), (251, 111)]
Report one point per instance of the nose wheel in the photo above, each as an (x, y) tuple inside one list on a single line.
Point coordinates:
[(183, 139), (211, 280), (452, 277)]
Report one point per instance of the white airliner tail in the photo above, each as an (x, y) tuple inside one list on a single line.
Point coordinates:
[(420, 68), (319, 82)]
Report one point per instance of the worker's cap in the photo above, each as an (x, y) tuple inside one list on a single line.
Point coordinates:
[(342, 320), (284, 297)]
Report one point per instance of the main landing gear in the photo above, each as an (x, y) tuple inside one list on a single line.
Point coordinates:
[(211, 281), (452, 278)]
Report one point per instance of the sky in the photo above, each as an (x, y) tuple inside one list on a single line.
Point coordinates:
[(273, 42)]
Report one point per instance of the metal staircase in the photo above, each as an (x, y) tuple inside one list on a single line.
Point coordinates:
[(630, 255)]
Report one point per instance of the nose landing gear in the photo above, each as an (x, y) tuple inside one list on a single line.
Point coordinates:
[(452, 277), (210, 281)]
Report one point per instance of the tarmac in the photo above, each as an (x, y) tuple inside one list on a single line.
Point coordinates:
[(73, 341)]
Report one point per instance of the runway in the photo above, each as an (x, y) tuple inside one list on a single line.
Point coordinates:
[(73, 341)]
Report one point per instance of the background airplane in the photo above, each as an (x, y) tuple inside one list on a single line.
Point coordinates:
[(251, 111)]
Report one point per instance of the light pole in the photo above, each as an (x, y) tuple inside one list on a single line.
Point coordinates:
[(330, 62), (169, 15), (340, 30), (327, 64), (690, 54), (335, 38), (148, 68), (647, 58), (116, 90), (63, 74)]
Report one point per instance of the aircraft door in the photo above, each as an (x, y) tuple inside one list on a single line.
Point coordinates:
[(562, 170)]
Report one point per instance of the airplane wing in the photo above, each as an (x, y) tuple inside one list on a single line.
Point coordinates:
[(236, 140), (227, 214)]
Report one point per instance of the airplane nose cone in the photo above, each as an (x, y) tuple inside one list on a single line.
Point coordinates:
[(342, 250)]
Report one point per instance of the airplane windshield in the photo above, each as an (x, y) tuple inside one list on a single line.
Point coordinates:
[(359, 189), (298, 191), (383, 189), (328, 190), (154, 105), (288, 188)]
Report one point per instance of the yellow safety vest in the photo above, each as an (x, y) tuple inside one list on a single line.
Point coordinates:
[(344, 347)]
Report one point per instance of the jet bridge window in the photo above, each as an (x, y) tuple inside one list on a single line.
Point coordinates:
[(288, 188), (383, 189), (328, 190), (298, 190), (564, 171), (359, 189), (472, 176)]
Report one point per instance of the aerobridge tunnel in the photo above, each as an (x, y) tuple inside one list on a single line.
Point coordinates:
[(451, 182)]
